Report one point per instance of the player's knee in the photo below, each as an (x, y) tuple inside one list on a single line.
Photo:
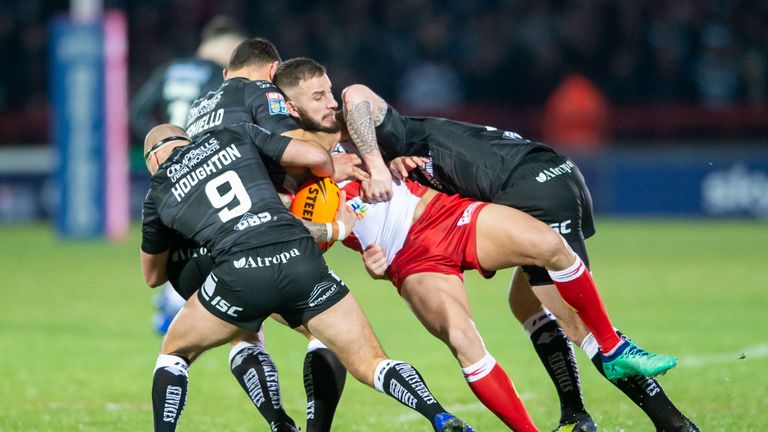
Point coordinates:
[(463, 339), (550, 248)]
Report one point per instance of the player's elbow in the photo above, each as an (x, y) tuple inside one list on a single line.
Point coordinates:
[(154, 277), (154, 280), (355, 93)]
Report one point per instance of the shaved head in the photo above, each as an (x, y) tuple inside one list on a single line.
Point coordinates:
[(164, 136)]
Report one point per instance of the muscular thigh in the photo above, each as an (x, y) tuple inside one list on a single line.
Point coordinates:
[(551, 189), (507, 237), (436, 299)]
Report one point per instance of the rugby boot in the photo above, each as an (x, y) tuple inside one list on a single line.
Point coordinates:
[(630, 360), (686, 426), (578, 423), (284, 427), (445, 422)]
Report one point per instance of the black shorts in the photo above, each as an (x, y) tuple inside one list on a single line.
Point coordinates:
[(550, 188), (187, 269), (289, 278)]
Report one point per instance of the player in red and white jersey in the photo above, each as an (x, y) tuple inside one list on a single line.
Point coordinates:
[(449, 234)]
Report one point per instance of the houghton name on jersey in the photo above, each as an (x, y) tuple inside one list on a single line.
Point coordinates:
[(217, 192)]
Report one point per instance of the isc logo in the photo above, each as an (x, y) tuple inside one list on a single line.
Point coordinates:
[(562, 227), (225, 307), (208, 287)]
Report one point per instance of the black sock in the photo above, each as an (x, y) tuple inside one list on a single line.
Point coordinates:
[(556, 354), (169, 391), (257, 374), (403, 382), (648, 394), (324, 378)]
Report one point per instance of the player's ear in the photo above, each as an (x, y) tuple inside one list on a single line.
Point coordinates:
[(272, 70), (292, 108), (224, 73)]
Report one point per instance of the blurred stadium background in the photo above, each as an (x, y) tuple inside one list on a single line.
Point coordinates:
[(663, 103)]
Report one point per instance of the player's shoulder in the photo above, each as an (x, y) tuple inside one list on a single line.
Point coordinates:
[(264, 85)]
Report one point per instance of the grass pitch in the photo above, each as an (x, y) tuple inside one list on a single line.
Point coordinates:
[(77, 350)]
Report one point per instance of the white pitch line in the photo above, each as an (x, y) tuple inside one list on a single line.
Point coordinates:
[(757, 351)]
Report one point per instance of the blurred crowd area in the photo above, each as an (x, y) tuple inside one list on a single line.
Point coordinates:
[(437, 55)]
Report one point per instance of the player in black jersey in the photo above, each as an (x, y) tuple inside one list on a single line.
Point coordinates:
[(216, 191), (188, 266), (485, 163), (248, 95), (166, 98)]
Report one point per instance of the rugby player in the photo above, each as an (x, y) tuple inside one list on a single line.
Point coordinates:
[(166, 98), (187, 268), (500, 167), (248, 95), (298, 83), (216, 191)]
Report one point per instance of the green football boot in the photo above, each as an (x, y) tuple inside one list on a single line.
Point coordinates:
[(630, 360)]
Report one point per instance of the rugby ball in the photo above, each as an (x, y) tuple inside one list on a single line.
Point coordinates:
[(317, 201)]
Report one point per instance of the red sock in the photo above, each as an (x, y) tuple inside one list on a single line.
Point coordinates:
[(578, 289), (490, 383)]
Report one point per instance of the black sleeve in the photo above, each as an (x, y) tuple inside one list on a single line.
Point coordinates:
[(144, 104), (269, 144), (268, 108), (155, 236)]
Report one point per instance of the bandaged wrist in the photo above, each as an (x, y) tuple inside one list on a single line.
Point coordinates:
[(342, 234)]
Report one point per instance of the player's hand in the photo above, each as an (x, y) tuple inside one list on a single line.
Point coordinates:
[(375, 261), (401, 166), (345, 213), (377, 188), (348, 166)]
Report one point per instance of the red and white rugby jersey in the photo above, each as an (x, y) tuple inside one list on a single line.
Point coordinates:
[(386, 223)]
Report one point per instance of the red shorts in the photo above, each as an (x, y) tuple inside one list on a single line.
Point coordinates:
[(441, 241)]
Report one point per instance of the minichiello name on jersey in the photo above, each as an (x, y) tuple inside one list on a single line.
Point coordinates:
[(214, 164)]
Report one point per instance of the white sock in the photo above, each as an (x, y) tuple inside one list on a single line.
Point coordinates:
[(589, 345), (315, 344), (537, 320), (172, 363), (381, 370), (480, 369)]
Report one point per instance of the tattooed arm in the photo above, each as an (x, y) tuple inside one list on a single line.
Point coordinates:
[(361, 124)]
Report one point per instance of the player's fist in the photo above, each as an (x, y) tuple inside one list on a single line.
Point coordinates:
[(375, 262)]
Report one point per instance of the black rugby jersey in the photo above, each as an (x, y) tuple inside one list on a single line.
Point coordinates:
[(468, 159), (240, 100), (216, 191), (169, 93)]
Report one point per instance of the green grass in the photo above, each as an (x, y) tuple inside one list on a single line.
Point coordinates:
[(77, 350)]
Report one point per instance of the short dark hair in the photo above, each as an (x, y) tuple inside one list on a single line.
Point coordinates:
[(254, 51), (292, 71), (220, 25)]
